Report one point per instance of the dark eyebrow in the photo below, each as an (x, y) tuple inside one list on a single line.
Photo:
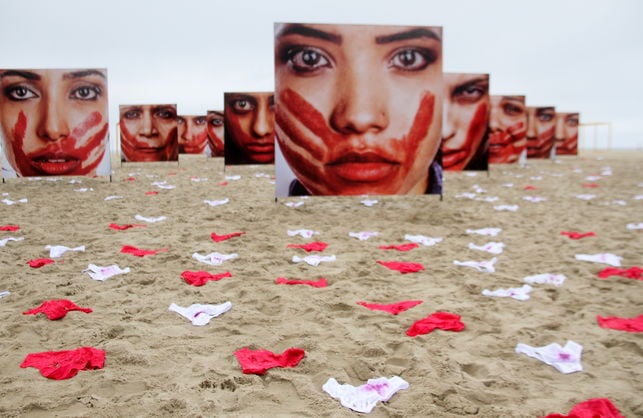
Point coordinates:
[(519, 99), (239, 96), (215, 112), (83, 73), (163, 107), (21, 73), (406, 35), (310, 32)]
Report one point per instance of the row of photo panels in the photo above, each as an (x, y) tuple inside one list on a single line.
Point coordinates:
[(357, 109)]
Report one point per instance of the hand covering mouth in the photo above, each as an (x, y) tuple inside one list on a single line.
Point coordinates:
[(500, 138)]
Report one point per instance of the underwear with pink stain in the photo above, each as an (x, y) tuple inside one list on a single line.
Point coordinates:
[(422, 239), (56, 308), (313, 260), (214, 259), (402, 267), (60, 365), (392, 308), (605, 258), (622, 324), (56, 251), (318, 283), (101, 273), (564, 359), (484, 266), (446, 321), (199, 314), (259, 361), (490, 247), (365, 397)]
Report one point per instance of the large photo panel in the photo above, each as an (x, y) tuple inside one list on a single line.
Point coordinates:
[(193, 134), (249, 128), (148, 133), (465, 123), (541, 127), (54, 122), (216, 132), (566, 137), (358, 109), (507, 129)]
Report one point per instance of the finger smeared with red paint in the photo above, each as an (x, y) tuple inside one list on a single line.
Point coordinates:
[(330, 163), (456, 156)]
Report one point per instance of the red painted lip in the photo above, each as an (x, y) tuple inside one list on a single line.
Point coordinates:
[(261, 148), (368, 167), (193, 150), (451, 158), (148, 150), (55, 164)]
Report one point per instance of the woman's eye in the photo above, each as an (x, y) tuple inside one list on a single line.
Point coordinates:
[(180, 121), (200, 121), (242, 106), (469, 94), (306, 60), (216, 122), (513, 110), (20, 93), (411, 59), (132, 114), (545, 117), (572, 122), (85, 93), (164, 114)]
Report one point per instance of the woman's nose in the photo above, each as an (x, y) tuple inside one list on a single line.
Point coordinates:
[(188, 128), (448, 125), (53, 122), (264, 121), (148, 126), (360, 104), (560, 128), (531, 126)]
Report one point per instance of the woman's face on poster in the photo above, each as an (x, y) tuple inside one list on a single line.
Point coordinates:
[(54, 121), (507, 129), (566, 137), (215, 132), (250, 124), (541, 126), (149, 133), (193, 134), (359, 107), (466, 116)]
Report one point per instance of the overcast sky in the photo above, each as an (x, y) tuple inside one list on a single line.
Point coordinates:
[(577, 55)]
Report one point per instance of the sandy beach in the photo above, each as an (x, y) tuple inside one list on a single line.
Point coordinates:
[(158, 364)]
